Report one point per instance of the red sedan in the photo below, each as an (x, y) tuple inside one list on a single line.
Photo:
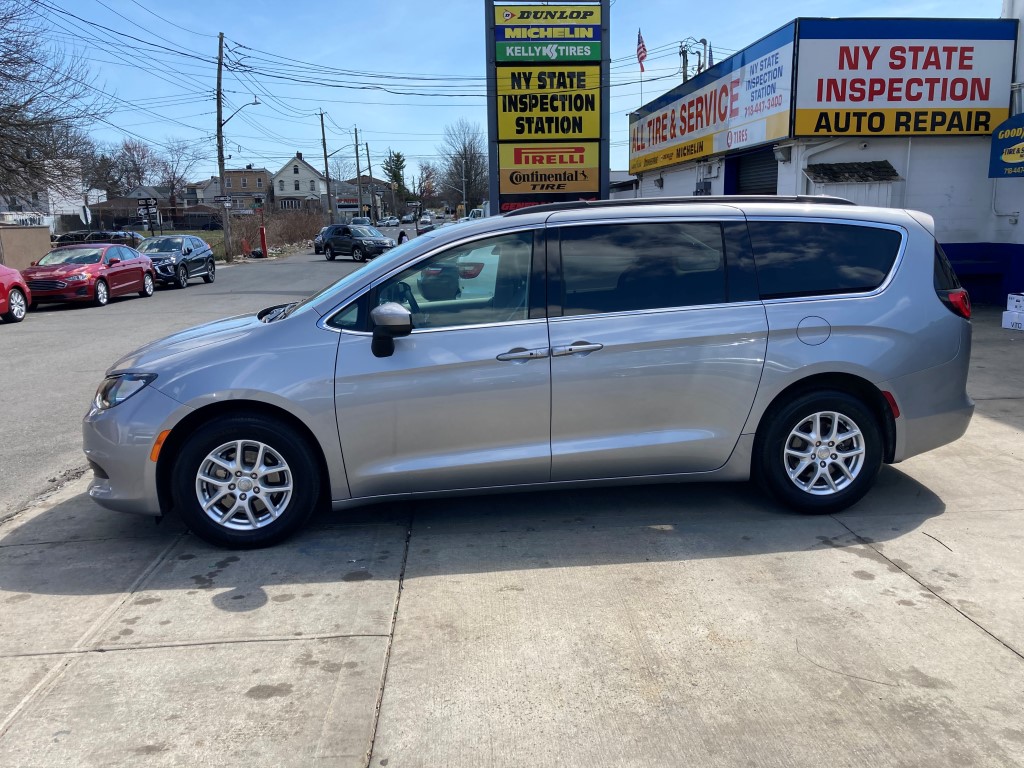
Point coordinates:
[(14, 295), (93, 272)]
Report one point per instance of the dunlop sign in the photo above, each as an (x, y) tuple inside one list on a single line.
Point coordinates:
[(548, 120), (895, 77)]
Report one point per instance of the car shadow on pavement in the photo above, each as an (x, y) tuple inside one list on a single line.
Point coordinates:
[(77, 548)]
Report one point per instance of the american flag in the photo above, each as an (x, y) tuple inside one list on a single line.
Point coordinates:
[(641, 50)]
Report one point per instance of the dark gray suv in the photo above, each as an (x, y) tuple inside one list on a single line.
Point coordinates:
[(799, 341), (359, 242)]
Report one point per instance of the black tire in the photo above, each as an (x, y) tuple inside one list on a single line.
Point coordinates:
[(357, 254), (17, 307), (33, 306), (316, 249), (101, 297), (301, 471), (181, 277), (211, 272), (329, 253), (819, 484), (147, 286)]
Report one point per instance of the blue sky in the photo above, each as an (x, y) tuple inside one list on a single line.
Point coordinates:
[(156, 59)]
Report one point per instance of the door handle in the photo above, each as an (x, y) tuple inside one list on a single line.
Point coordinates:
[(523, 354), (576, 348)]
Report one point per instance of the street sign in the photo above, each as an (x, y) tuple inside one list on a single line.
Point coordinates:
[(145, 202), (222, 199), (227, 203)]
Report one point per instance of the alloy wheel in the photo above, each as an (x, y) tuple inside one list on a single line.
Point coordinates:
[(824, 453), (244, 485)]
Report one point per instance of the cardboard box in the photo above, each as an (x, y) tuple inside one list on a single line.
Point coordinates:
[(1015, 302), (1013, 320)]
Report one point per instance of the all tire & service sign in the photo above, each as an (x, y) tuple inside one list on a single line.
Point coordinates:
[(903, 77), (741, 102), (547, 103)]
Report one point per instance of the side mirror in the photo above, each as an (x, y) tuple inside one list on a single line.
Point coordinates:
[(113, 261), (33, 264), (187, 250), (390, 321)]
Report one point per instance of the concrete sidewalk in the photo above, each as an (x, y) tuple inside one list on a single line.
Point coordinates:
[(671, 625)]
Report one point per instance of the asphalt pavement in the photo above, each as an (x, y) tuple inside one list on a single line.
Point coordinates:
[(663, 625)]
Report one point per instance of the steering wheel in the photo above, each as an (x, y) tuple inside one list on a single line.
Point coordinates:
[(402, 293)]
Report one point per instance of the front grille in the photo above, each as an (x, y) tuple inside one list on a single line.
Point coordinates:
[(46, 285)]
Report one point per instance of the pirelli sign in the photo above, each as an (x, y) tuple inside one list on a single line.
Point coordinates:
[(547, 102)]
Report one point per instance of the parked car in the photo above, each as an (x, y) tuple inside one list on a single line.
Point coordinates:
[(388, 221), (318, 240), (178, 258), (408, 219), (90, 272), (75, 236), (798, 341), (361, 243), (361, 221), (121, 237), (15, 295)]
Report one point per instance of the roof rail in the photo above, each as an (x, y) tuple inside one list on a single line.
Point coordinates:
[(628, 202)]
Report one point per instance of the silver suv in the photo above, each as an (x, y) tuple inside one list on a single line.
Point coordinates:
[(801, 341)]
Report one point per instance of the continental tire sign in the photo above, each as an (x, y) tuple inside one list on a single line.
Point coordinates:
[(546, 101)]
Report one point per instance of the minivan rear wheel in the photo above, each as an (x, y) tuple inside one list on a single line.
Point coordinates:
[(820, 452), (245, 482)]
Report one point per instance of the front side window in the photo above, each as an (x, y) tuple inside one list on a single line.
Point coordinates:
[(628, 267), (312, 186), (810, 258), (227, 182), (486, 281), (296, 185), (280, 184), (245, 182)]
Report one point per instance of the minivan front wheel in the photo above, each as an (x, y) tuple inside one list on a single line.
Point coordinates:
[(243, 482), (820, 452)]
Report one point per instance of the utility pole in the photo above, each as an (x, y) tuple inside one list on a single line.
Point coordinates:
[(220, 146), (327, 171), (359, 174), (369, 172)]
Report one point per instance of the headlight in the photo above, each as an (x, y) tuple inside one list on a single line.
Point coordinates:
[(391, 243), (118, 388), (75, 278)]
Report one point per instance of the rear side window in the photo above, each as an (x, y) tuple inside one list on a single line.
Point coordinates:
[(945, 277), (627, 267), (808, 258)]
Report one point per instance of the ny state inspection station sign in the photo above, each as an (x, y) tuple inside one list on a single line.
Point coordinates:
[(546, 101)]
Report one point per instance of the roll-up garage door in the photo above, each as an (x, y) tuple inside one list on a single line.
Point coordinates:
[(757, 174)]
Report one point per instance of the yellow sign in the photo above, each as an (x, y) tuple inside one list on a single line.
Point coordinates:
[(552, 167), (546, 14), (547, 102), (898, 122)]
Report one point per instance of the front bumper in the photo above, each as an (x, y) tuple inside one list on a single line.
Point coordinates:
[(117, 443), (165, 271), (80, 291)]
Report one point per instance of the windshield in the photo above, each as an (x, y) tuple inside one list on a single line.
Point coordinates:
[(72, 256), (365, 232), (160, 244), (395, 255)]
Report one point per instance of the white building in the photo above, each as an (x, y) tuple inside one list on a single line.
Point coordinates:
[(891, 112), (299, 186)]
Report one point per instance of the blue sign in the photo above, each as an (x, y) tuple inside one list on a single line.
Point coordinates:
[(1007, 157)]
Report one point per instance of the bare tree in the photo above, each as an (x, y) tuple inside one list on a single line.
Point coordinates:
[(138, 164), (47, 101), (342, 168), (464, 162), (429, 179), (175, 165)]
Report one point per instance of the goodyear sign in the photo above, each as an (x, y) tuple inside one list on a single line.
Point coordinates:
[(741, 102), (894, 77), (1007, 156), (546, 112)]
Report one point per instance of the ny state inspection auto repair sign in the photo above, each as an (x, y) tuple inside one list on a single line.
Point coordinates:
[(895, 77), (548, 116)]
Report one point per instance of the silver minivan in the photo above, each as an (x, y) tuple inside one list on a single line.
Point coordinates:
[(800, 341)]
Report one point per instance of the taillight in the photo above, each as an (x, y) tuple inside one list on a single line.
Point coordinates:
[(957, 301)]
